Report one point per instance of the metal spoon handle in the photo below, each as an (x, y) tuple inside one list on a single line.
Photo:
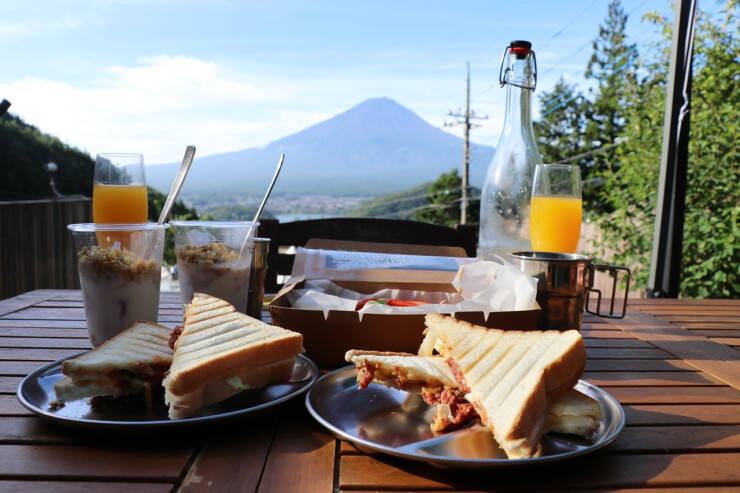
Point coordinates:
[(187, 160), (269, 189)]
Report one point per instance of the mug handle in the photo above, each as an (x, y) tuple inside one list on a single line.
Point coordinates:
[(615, 270)]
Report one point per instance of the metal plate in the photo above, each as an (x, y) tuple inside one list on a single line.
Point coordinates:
[(36, 392), (382, 419)]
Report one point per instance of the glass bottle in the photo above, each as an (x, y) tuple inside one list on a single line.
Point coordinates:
[(507, 190)]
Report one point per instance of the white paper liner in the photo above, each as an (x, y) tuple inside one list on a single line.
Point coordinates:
[(483, 286)]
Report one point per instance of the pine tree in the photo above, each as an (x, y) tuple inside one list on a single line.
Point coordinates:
[(613, 66)]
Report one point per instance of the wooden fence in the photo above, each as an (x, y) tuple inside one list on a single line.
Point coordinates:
[(36, 248)]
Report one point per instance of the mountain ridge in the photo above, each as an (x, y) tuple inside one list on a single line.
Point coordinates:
[(375, 147)]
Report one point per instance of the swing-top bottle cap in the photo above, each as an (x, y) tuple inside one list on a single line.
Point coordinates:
[(520, 48)]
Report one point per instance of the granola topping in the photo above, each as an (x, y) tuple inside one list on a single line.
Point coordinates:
[(210, 254), (116, 261)]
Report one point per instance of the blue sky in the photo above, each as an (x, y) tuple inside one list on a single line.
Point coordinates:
[(152, 76)]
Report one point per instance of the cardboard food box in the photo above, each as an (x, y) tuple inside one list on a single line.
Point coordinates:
[(326, 340)]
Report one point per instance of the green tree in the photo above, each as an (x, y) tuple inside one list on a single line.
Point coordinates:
[(443, 202), (180, 211), (711, 247), (613, 66), (24, 150)]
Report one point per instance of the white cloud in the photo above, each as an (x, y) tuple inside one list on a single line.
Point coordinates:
[(159, 106)]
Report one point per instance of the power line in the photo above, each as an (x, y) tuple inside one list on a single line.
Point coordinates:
[(546, 43)]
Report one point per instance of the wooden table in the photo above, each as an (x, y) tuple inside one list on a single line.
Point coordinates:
[(673, 364)]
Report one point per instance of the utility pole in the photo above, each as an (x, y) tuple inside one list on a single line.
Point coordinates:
[(465, 120)]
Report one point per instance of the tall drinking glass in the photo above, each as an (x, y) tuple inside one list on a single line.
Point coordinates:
[(556, 208), (119, 189)]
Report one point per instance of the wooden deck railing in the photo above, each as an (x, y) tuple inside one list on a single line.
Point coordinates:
[(36, 249)]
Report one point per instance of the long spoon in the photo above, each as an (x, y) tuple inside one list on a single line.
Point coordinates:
[(187, 160), (264, 200), (269, 189)]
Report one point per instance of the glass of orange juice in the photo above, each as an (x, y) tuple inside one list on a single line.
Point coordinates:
[(556, 208), (119, 189)]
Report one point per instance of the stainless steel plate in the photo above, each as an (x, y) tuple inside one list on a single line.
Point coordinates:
[(381, 419), (36, 392)]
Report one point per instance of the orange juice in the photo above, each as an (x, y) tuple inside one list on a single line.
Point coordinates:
[(119, 203), (555, 224)]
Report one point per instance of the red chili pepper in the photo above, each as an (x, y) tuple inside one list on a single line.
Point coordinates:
[(406, 303), (363, 302)]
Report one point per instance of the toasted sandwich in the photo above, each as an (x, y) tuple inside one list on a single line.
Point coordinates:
[(510, 377), (574, 413), (133, 361), (222, 352)]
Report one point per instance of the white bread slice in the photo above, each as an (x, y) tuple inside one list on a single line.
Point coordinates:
[(216, 343), (575, 414), (512, 376), (122, 365), (402, 370), (183, 406)]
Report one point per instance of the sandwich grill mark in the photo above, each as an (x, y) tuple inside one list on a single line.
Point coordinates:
[(225, 347), (233, 327), (195, 328), (206, 314), (246, 335)]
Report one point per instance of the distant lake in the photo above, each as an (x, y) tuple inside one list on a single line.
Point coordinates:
[(286, 218)]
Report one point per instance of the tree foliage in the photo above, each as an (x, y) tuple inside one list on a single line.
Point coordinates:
[(24, 150), (443, 202), (711, 247)]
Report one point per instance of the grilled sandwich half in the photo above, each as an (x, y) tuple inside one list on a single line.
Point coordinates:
[(573, 413), (133, 361), (510, 377), (221, 352)]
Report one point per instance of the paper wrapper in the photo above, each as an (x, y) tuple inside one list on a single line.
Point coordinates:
[(482, 286)]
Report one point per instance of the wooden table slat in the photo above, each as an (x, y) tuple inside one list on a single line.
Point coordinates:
[(669, 395), (682, 414), (74, 345), (637, 365), (657, 378), (77, 486), (678, 438), (599, 471), (230, 462), (301, 458), (74, 462), (8, 385)]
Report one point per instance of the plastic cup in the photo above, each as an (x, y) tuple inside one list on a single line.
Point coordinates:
[(120, 283), (215, 258)]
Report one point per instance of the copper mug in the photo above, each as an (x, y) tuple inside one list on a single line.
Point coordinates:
[(564, 286)]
